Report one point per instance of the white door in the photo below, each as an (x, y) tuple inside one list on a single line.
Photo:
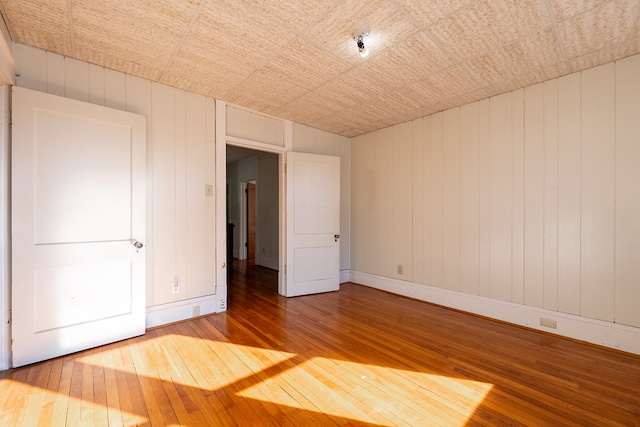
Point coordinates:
[(78, 213), (313, 224)]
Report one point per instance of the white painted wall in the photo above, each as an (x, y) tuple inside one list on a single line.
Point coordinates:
[(181, 161), (531, 198), (254, 126)]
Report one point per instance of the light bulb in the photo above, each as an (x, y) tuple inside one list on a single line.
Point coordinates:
[(359, 38)]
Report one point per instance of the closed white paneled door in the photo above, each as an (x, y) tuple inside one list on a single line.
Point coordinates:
[(78, 229)]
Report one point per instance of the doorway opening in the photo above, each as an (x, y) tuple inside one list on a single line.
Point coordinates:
[(253, 211)]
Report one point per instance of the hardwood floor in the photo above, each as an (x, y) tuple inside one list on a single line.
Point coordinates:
[(356, 357)]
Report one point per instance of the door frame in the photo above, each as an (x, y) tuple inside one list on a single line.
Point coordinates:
[(222, 140), (282, 231)]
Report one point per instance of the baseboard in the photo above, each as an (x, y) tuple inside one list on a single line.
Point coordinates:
[(180, 310), (612, 335)]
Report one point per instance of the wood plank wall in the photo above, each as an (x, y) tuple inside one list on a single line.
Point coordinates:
[(181, 146), (531, 197)]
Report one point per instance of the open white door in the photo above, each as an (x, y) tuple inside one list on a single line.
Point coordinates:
[(313, 224), (78, 224)]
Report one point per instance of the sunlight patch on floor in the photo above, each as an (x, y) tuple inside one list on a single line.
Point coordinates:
[(340, 390), (171, 358), (362, 392)]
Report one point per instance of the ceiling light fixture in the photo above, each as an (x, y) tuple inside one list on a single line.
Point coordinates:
[(359, 36)]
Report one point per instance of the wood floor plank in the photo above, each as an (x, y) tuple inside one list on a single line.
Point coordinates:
[(14, 388), (153, 408), (112, 401), (49, 399)]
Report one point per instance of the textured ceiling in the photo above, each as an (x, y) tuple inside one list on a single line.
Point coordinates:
[(297, 59)]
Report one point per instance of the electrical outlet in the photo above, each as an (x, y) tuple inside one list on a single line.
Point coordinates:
[(196, 311), (175, 286), (400, 269), (548, 323), (263, 251), (208, 190)]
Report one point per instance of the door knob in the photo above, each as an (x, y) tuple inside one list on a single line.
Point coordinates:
[(336, 237), (138, 245)]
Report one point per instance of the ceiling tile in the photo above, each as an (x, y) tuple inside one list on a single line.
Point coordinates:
[(425, 91), (138, 38), (536, 52), (452, 81), (296, 15), (414, 59), (218, 74), (565, 9), (43, 24), (306, 65), (329, 98), (484, 25), (426, 12), (270, 87), (361, 83), (236, 34), (613, 23)]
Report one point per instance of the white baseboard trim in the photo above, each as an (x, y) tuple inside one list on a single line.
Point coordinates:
[(180, 310), (612, 335)]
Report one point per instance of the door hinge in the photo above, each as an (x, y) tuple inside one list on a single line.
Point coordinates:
[(10, 317), (285, 168), (285, 269)]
